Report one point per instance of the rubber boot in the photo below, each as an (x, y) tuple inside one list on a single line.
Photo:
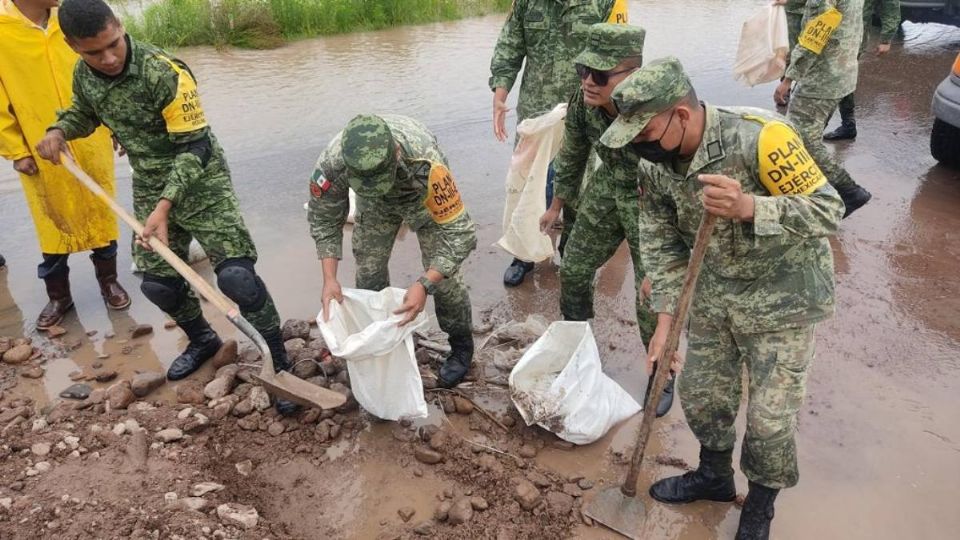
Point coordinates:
[(853, 198), (58, 291), (712, 481), (204, 343), (280, 363), (757, 513), (844, 132), (457, 363), (112, 292), (666, 397), (515, 273)]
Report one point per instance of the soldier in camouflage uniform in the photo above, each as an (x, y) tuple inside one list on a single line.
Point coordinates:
[(824, 66), (181, 182), (889, 24), (794, 10), (547, 34), (766, 280), (609, 203), (400, 175)]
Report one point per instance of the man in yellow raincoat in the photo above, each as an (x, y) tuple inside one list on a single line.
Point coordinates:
[(36, 80)]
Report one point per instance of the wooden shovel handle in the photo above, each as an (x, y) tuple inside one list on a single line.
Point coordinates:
[(707, 223)]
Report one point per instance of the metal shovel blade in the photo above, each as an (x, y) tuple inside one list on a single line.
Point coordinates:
[(612, 509), (295, 389)]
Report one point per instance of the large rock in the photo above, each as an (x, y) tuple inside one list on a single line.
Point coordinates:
[(238, 515), (294, 346), (296, 328), (259, 398), (559, 502), (18, 354), (120, 396), (144, 383), (169, 435), (220, 387), (226, 355), (527, 494), (430, 457), (201, 489), (190, 392), (76, 391)]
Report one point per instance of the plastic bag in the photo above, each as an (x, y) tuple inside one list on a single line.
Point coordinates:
[(384, 376), (559, 384), (539, 143), (764, 47)]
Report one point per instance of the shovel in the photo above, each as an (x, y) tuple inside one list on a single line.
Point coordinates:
[(619, 508), (283, 384)]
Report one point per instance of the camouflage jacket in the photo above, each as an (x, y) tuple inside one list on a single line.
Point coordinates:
[(329, 202), (154, 111), (824, 60), (582, 130), (548, 34), (889, 14), (773, 273)]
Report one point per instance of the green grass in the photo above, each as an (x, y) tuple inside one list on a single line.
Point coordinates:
[(268, 23)]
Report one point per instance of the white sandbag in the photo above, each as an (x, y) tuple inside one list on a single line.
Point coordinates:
[(383, 371), (559, 384), (764, 47), (539, 141)]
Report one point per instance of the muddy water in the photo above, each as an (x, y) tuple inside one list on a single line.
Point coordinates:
[(880, 433)]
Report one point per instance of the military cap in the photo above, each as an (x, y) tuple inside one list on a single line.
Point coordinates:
[(609, 44), (370, 154), (646, 93)]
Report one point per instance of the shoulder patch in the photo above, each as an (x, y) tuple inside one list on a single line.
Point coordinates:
[(819, 29), (443, 198), (786, 167), (319, 184), (184, 114), (618, 13)]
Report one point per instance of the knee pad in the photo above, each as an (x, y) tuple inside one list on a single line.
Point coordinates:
[(165, 292), (238, 280)]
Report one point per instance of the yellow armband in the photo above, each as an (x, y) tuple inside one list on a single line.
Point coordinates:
[(443, 198), (184, 114), (818, 31), (786, 167), (618, 13)]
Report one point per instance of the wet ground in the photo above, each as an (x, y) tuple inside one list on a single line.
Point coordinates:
[(880, 432)]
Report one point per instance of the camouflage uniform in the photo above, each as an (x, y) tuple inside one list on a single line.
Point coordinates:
[(548, 34), (444, 244), (163, 151), (794, 9), (763, 285), (823, 78), (889, 24), (608, 207)]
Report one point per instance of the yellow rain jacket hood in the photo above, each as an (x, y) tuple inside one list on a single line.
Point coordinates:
[(36, 79)]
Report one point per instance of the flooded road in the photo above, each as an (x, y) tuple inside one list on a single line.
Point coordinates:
[(880, 432)]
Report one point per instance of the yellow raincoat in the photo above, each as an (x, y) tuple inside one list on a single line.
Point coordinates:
[(36, 80)]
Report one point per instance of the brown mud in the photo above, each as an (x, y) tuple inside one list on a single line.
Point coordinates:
[(879, 434)]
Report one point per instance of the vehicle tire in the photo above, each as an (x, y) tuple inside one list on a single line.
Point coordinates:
[(945, 143)]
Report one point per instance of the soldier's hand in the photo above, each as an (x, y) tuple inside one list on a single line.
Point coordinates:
[(548, 219), (500, 114), (883, 48), (658, 342), (724, 197), (646, 288), (155, 226), (331, 291), (27, 166), (51, 145), (781, 96), (413, 302)]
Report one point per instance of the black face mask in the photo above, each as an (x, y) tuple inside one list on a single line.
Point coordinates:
[(654, 152)]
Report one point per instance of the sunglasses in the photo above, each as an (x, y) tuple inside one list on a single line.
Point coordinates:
[(600, 78)]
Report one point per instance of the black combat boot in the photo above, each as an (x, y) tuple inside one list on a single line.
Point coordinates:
[(457, 363), (712, 481), (204, 343), (757, 513), (666, 398), (845, 131), (515, 273), (280, 363), (853, 197)]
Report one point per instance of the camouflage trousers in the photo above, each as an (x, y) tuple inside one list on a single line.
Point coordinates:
[(212, 216), (373, 241), (711, 386), (606, 216), (810, 115)]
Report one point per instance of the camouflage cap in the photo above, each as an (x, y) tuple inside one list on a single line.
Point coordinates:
[(370, 154), (609, 44), (644, 94)]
